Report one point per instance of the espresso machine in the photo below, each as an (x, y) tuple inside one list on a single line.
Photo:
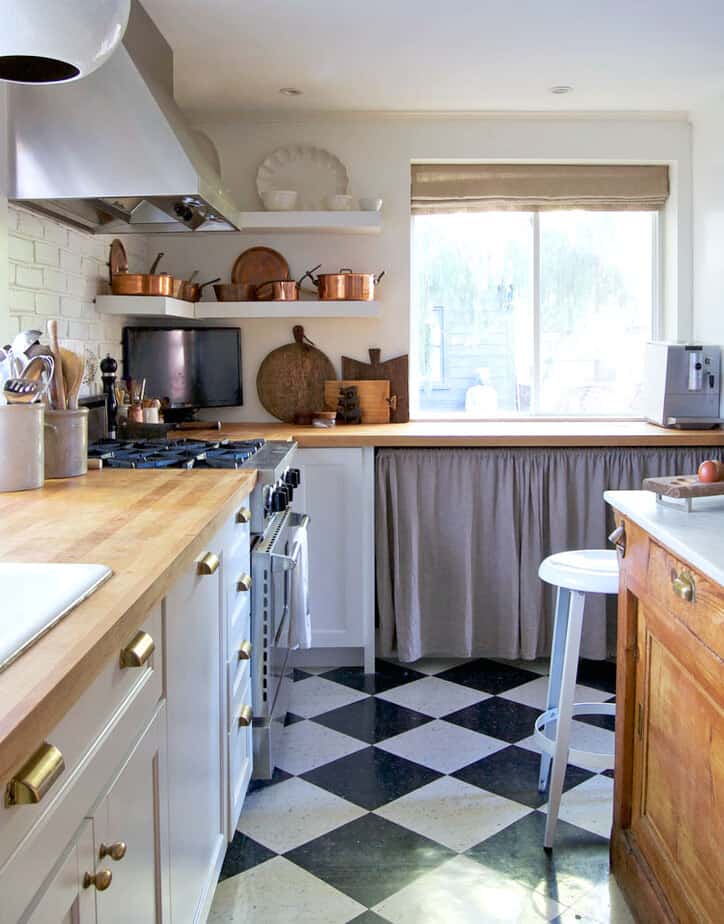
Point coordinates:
[(682, 385)]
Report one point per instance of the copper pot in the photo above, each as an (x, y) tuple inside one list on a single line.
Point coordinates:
[(151, 283), (192, 290), (282, 290), (235, 292), (346, 285)]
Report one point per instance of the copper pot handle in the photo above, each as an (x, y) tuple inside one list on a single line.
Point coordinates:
[(155, 263), (308, 275), (376, 279)]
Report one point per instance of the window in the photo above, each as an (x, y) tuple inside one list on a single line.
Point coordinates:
[(532, 312)]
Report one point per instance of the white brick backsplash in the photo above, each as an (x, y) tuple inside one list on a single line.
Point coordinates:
[(20, 248), (29, 277), (56, 271)]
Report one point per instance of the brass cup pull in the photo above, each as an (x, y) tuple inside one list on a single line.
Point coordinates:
[(683, 585), (115, 851), (101, 880), (35, 777), (207, 564), (244, 515), (243, 585), (245, 716), (245, 651), (138, 650)]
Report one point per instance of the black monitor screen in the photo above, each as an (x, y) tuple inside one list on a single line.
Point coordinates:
[(190, 366)]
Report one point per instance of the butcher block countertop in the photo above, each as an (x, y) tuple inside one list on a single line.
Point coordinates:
[(471, 433), (144, 524)]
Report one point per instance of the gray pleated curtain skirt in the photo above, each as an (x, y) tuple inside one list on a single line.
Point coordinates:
[(460, 534)]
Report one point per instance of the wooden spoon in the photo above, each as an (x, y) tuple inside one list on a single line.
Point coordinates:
[(58, 386), (73, 369)]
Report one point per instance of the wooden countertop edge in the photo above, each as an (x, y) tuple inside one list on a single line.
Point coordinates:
[(28, 723)]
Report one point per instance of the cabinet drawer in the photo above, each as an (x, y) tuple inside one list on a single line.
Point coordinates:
[(114, 689), (240, 759), (693, 598), (239, 686), (239, 624)]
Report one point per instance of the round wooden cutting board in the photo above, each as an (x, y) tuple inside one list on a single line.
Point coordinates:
[(259, 264), (291, 379)]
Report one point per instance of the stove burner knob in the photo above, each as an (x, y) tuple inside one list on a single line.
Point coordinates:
[(279, 500), (292, 477)]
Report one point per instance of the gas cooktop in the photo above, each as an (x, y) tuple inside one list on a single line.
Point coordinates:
[(180, 453)]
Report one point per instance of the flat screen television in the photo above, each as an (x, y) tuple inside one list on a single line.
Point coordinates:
[(191, 367)]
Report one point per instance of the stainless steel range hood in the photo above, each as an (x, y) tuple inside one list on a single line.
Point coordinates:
[(111, 153)]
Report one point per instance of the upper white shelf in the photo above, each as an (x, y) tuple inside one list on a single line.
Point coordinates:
[(322, 221), (158, 307)]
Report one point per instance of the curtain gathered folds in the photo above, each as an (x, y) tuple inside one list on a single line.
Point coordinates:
[(538, 187), (460, 534)]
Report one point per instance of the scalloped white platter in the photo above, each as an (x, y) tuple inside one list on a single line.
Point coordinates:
[(313, 172)]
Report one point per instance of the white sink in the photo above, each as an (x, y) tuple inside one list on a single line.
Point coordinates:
[(35, 596)]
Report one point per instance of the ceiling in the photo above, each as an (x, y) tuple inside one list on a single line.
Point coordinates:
[(465, 55)]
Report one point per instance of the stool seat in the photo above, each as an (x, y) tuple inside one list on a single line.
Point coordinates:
[(587, 570)]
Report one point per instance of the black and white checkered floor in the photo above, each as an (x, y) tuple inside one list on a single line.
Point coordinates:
[(409, 796)]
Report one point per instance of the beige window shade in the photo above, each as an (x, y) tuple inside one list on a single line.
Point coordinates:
[(537, 187)]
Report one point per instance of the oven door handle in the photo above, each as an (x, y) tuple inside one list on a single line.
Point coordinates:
[(286, 562)]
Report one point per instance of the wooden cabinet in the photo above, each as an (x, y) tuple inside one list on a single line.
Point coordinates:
[(337, 491), (669, 779)]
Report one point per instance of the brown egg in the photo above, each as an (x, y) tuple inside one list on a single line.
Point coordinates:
[(709, 471)]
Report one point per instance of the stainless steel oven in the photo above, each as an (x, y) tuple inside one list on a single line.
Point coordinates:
[(274, 558)]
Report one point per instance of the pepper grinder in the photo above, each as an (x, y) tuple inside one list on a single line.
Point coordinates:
[(108, 374)]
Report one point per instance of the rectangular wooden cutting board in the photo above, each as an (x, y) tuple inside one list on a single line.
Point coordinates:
[(396, 370), (374, 398)]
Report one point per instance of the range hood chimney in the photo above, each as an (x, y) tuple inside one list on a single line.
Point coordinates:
[(111, 153)]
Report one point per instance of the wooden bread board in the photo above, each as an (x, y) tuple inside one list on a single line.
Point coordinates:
[(683, 486), (374, 398), (396, 370)]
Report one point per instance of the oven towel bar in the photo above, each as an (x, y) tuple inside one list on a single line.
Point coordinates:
[(300, 622)]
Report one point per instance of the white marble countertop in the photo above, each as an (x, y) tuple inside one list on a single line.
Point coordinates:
[(697, 537)]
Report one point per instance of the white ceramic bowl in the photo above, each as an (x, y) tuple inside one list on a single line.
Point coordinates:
[(370, 204), (338, 203), (280, 200)]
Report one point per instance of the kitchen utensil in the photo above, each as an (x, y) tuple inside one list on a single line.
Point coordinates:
[(374, 398), (235, 292), (21, 446), (396, 370), (282, 290), (181, 289), (57, 387), (258, 264), (279, 200), (338, 202), (291, 378), (23, 341), (39, 370), (66, 443), (150, 283), (370, 204), (313, 171), (192, 291), (73, 369), (346, 285), (22, 391)]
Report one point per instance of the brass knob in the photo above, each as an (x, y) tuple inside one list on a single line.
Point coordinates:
[(683, 585), (101, 880), (35, 777), (207, 564), (243, 585), (245, 716), (138, 650), (244, 515), (115, 851), (245, 651)]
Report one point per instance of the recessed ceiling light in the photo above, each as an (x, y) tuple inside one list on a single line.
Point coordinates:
[(560, 90), (291, 91)]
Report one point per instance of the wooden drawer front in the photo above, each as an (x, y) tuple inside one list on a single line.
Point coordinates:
[(240, 759), (115, 688), (704, 613)]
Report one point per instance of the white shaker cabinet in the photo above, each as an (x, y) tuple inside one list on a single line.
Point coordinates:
[(66, 900), (337, 491)]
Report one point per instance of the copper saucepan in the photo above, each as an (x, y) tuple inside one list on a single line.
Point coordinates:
[(192, 290), (235, 292), (346, 285), (151, 283), (282, 290)]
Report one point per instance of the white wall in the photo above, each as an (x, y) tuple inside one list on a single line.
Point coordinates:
[(708, 173), (378, 150)]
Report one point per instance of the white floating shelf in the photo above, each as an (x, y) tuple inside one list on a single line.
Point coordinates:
[(159, 307), (322, 221), (300, 309), (154, 306)]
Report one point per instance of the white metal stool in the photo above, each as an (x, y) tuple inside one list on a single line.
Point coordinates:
[(574, 574)]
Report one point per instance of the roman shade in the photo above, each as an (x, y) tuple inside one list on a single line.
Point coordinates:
[(538, 187)]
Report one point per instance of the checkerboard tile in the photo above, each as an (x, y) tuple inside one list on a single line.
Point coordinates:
[(410, 795)]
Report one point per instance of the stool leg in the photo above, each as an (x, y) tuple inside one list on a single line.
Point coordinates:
[(560, 631), (565, 708)]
